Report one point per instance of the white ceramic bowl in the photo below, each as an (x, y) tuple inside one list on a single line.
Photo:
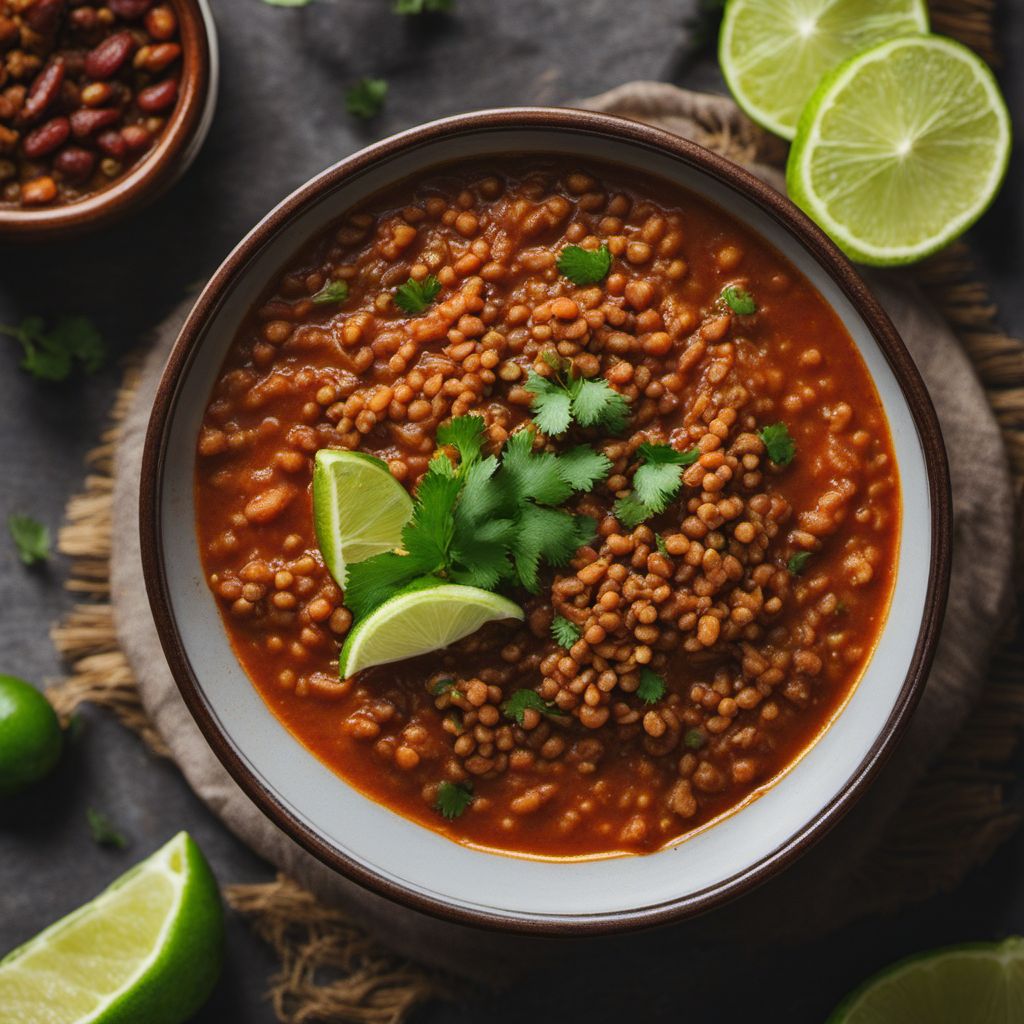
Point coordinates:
[(395, 856)]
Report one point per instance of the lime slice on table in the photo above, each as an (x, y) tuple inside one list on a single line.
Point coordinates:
[(901, 149), (981, 984), (421, 621), (774, 52), (359, 508), (148, 948)]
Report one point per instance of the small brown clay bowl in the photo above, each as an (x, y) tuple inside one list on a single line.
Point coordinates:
[(169, 158)]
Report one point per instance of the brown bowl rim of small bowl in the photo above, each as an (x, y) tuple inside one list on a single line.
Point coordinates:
[(806, 234), (157, 170)]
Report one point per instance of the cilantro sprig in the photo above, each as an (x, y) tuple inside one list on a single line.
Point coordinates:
[(332, 292), (453, 798), (523, 700), (779, 443), (53, 354), (414, 296), (564, 398), (584, 266), (739, 300), (651, 688), (798, 562), (655, 483), (31, 538), (484, 522), (564, 632), (366, 98)]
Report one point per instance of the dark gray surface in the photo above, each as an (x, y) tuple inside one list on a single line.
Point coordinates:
[(280, 119)]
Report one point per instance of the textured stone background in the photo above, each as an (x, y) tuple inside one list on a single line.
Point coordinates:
[(280, 119)]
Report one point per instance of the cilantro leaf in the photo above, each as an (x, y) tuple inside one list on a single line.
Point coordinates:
[(631, 511), (414, 296), (655, 483), (584, 266), (651, 688), (31, 538), (465, 434), (533, 474), (693, 739), (428, 533), (453, 798), (583, 467), (798, 562), (552, 406), (547, 533), (595, 402), (443, 686), (52, 355), (779, 443), (103, 831), (371, 582), (366, 97), (564, 632), (561, 399), (333, 291), (739, 300), (523, 699), (422, 6), (662, 546)]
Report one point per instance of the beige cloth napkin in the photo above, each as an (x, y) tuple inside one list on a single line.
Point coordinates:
[(828, 886)]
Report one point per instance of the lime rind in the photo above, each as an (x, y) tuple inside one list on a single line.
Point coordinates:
[(359, 509), (419, 621), (974, 150), (977, 983), (774, 52)]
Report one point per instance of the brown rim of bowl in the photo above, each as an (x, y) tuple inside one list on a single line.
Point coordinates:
[(807, 234), (156, 171)]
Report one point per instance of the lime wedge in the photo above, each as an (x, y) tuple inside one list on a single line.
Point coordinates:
[(146, 949), (982, 984), (901, 149), (774, 52), (420, 621), (359, 508)]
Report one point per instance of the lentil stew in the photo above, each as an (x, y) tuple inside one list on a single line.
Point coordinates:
[(707, 645)]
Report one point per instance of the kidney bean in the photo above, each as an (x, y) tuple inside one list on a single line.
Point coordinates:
[(158, 97), (75, 162), (46, 138), (85, 19), (87, 121), (43, 15), (108, 57), (44, 90), (135, 136), (112, 143), (130, 10), (156, 58), (39, 192), (95, 94), (161, 22)]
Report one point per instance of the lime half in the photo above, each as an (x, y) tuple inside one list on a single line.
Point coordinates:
[(773, 53), (359, 508), (901, 149), (420, 621), (146, 949), (982, 984)]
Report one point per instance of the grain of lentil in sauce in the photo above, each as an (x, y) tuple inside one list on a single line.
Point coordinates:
[(756, 658)]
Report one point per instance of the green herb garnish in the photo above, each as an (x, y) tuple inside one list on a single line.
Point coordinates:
[(31, 538), (453, 798), (423, 6), (779, 443), (333, 291), (584, 266), (52, 355), (564, 632), (521, 700), (660, 542), (443, 686), (798, 562), (414, 296), (655, 483), (563, 398), (366, 97), (739, 300), (651, 688), (103, 831), (694, 739)]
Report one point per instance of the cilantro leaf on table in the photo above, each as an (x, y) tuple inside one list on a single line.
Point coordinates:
[(103, 830), (52, 355), (798, 562), (564, 397), (423, 6), (453, 798), (655, 483), (564, 632), (332, 292), (651, 688), (521, 700), (739, 300), (366, 98), (414, 296), (584, 266), (778, 443), (31, 538)]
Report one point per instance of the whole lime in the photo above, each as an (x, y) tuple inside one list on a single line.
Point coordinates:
[(30, 736)]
